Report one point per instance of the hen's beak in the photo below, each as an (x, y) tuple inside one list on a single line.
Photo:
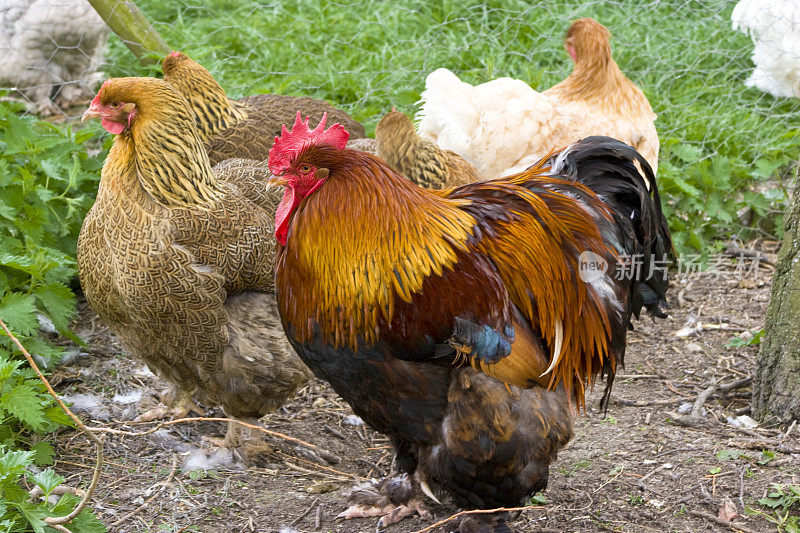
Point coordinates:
[(277, 181), (91, 113)]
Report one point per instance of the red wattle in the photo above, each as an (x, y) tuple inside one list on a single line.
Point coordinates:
[(112, 127), (282, 215)]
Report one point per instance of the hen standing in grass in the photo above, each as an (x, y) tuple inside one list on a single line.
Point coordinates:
[(418, 159), (463, 323), (178, 258), (503, 126), (243, 128)]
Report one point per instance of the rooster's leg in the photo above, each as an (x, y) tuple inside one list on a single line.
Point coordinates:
[(393, 499)]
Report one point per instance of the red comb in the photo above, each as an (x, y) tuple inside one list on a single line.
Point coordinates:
[(175, 53), (291, 143)]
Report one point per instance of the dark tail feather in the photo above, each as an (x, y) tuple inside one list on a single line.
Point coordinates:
[(606, 166)]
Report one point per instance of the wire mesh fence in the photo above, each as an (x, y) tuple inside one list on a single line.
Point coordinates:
[(726, 148)]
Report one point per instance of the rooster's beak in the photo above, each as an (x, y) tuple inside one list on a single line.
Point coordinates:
[(277, 181), (91, 113)]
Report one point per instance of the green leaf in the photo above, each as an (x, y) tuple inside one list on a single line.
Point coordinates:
[(766, 457), (19, 313), (43, 453), (34, 514), (47, 480), (25, 403), (59, 301), (728, 454), (85, 522)]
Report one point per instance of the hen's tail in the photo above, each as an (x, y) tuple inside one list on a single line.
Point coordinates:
[(624, 181)]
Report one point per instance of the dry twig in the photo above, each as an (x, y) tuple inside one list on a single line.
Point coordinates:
[(476, 511), (330, 457), (56, 522), (719, 521)]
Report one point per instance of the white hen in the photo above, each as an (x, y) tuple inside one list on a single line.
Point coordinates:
[(774, 27), (503, 126), (51, 48)]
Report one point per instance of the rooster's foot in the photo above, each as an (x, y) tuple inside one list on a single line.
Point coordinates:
[(393, 499)]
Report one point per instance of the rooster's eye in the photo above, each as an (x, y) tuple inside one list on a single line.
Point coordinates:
[(305, 169)]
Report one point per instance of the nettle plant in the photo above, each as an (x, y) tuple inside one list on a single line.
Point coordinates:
[(47, 183)]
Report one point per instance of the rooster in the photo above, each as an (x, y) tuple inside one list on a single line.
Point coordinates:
[(418, 159), (463, 323), (241, 128), (177, 258), (504, 126)]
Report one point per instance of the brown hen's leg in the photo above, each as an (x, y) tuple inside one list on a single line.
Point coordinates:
[(393, 499), (246, 442), (176, 404)]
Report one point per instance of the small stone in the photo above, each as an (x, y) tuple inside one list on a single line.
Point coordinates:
[(694, 347), (746, 336)]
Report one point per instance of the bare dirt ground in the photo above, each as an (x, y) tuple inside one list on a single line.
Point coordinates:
[(633, 469)]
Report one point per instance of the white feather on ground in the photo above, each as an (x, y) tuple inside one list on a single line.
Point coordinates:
[(774, 27), (51, 51)]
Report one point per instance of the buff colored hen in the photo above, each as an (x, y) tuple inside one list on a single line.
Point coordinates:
[(504, 126), (177, 258)]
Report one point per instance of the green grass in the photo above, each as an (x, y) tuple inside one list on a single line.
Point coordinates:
[(726, 149)]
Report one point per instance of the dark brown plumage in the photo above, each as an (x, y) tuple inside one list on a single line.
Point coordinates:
[(418, 159), (244, 128), (178, 258)]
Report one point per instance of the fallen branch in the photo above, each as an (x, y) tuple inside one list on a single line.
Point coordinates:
[(56, 521), (761, 257), (719, 521), (693, 419), (476, 511), (763, 444), (645, 403)]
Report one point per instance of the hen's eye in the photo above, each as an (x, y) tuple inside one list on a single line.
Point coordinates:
[(114, 105), (305, 169)]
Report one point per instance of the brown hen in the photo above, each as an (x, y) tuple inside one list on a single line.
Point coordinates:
[(244, 128), (177, 258), (418, 159)]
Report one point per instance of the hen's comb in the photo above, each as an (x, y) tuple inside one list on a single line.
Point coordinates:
[(291, 143), (175, 53)]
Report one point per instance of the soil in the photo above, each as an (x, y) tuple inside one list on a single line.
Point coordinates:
[(632, 468)]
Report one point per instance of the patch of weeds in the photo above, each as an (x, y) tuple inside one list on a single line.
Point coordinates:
[(569, 472), (635, 499), (783, 502), (739, 342), (538, 499)]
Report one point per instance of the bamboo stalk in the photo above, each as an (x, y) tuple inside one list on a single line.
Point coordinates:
[(128, 22)]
